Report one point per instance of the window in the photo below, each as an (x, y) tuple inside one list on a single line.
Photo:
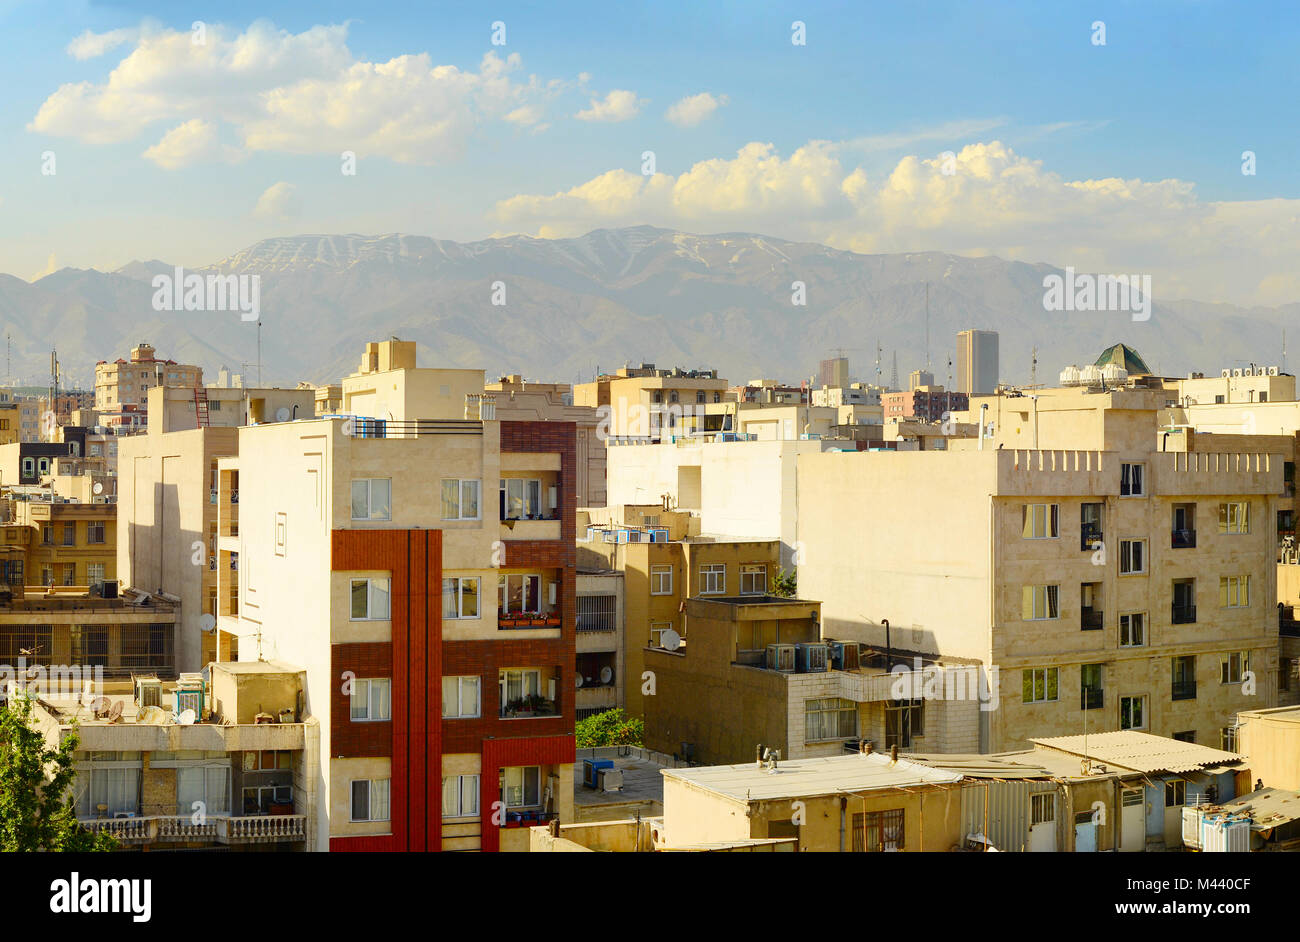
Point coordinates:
[(904, 719), (1090, 686), (371, 499), (1132, 629), (519, 592), (1228, 739), (1234, 591), (460, 796), (661, 580), (657, 630), (1132, 712), (95, 531), (1042, 808), (460, 597), (1187, 735), (69, 573), (713, 579), (94, 573), (1234, 517), (69, 534), (1233, 666), (460, 499), (1038, 684), (1130, 480), (1132, 556), (47, 534), (370, 800), (1039, 602), (1039, 521), (460, 697), (521, 786), (830, 719), (1175, 793), (877, 831), (370, 600), (597, 612), (522, 497), (753, 580), (205, 783), (1183, 610), (1184, 678), (520, 690), (29, 467), (371, 700), (1090, 614)]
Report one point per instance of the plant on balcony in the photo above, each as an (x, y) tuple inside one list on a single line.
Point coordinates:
[(37, 810), (553, 620), (611, 728)]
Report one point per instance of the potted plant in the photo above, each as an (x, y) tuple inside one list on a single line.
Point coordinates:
[(538, 619), (553, 619), (505, 620)]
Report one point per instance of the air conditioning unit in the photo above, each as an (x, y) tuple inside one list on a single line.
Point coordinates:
[(1225, 373), (611, 780), (189, 694), (1272, 371), (811, 658), (780, 657), (1238, 372), (148, 692)]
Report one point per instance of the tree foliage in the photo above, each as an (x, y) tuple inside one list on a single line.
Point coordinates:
[(785, 584), (611, 728), (37, 810)]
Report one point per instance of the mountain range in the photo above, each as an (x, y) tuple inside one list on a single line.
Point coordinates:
[(610, 297)]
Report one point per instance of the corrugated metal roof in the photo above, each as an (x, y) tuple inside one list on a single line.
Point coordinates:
[(1140, 752), (1268, 807), (804, 777), (1016, 765)]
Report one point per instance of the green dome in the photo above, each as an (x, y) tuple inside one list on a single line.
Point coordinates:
[(1126, 357)]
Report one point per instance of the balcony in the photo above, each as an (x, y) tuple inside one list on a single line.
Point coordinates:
[(538, 528), (253, 829), (519, 620), (1091, 698), (532, 706), (1184, 690), (1090, 620), (1182, 539), (1182, 614)]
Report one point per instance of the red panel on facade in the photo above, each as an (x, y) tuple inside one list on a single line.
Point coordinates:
[(502, 753)]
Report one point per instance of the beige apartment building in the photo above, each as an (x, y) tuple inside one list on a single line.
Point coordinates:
[(521, 401), (123, 385), (177, 409), (644, 403), (1122, 587)]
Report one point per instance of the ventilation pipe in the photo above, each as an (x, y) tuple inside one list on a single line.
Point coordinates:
[(984, 408)]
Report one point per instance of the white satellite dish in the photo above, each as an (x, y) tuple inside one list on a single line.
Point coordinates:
[(187, 718), (98, 488), (670, 640), (153, 716), (207, 623), (606, 675), (282, 414), (578, 678)]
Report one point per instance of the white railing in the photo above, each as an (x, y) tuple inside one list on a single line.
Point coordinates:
[(223, 828), (272, 827)]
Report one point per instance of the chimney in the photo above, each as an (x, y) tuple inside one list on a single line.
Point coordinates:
[(758, 755), (893, 753)]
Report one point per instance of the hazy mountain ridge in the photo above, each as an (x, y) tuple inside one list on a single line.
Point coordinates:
[(606, 298)]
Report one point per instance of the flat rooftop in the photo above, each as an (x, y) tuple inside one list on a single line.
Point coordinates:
[(812, 777), (642, 781)]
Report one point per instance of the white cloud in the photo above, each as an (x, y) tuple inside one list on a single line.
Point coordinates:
[(193, 142), (278, 201), (92, 45), (950, 132), (618, 105), (694, 109), (995, 202), (295, 93)]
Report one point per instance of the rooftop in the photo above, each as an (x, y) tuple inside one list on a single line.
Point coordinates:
[(1140, 752), (811, 777), (641, 780)]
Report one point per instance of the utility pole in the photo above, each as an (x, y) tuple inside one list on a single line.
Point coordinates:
[(259, 353)]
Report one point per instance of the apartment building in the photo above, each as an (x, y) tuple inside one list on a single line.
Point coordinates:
[(1127, 587), (928, 403), (665, 560), (366, 551), (122, 386), (757, 670), (600, 641), (167, 494), (178, 408), (68, 544), (768, 392), (977, 362), (644, 403)]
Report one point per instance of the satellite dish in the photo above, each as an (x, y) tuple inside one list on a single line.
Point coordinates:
[(207, 623), (282, 414), (98, 488), (100, 705), (578, 678), (187, 718), (153, 716), (606, 675), (670, 640), (115, 711)]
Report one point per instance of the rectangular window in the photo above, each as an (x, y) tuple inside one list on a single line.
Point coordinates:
[(95, 531), (460, 597), (1038, 684), (519, 593), (1039, 521), (370, 600), (1233, 666), (460, 697), (47, 534), (1175, 793), (713, 579), (69, 534), (877, 831), (1039, 602), (1183, 685), (1132, 630), (1132, 712), (753, 580), (1042, 808), (460, 499), (1089, 525), (371, 700), (1090, 687), (521, 692), (1234, 591), (1228, 739), (830, 718), (370, 800), (1132, 556), (1131, 480), (904, 719), (371, 499), (521, 498), (94, 573), (661, 580), (1234, 517), (521, 786), (460, 796), (597, 612)]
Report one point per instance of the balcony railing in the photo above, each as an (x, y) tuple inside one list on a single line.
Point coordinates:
[(1183, 614), (1090, 620), (253, 829), (529, 708), (1184, 690), (1092, 698), (1182, 539)]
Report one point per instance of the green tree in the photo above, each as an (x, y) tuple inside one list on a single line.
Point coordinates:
[(611, 728), (785, 584), (36, 803)]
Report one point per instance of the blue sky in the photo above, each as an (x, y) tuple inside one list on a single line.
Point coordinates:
[(1126, 156)]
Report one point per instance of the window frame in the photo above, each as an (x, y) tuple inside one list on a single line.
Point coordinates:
[(371, 784), (370, 502), (460, 596), (1141, 702), (371, 596), (1126, 480), (1126, 552), (1226, 672), (1032, 675), (714, 574), (470, 779), (476, 485), (657, 578), (1232, 590), (377, 698), (752, 569), (524, 803), (1048, 515), (460, 697), (1051, 602), (1234, 518)]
